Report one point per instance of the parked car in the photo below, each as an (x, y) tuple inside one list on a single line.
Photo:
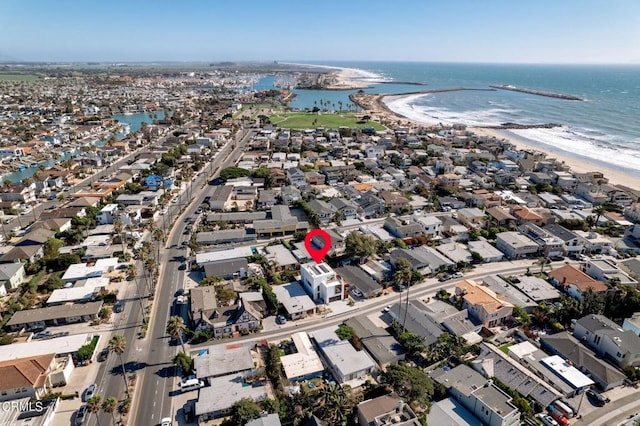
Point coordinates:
[(51, 197), (179, 292), (457, 275), (81, 415), (165, 421), (191, 384), (118, 306), (281, 319), (386, 309), (103, 355), (180, 300), (42, 334), (596, 398), (89, 392), (559, 418), (357, 292), (547, 420)]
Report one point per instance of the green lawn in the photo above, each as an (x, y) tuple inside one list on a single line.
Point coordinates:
[(18, 77), (302, 120), (505, 348)]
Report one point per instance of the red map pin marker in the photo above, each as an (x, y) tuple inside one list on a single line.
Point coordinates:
[(317, 254)]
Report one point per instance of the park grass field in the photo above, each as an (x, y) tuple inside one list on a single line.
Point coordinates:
[(18, 77), (308, 120)]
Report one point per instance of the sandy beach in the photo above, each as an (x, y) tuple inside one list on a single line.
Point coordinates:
[(346, 79), (377, 105), (577, 165)]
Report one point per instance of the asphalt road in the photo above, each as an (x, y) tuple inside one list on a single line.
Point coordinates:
[(155, 382), (152, 358)]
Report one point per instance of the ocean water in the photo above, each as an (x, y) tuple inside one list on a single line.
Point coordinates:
[(604, 128)]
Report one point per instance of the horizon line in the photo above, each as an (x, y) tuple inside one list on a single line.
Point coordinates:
[(293, 62)]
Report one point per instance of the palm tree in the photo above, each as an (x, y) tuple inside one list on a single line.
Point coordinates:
[(542, 261), (117, 345), (150, 267), (109, 406), (402, 277), (337, 217), (598, 211), (132, 270), (93, 406), (332, 403), (175, 328), (158, 236), (118, 227)]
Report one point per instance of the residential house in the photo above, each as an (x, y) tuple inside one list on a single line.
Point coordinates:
[(295, 301), (22, 193), (215, 401), (27, 377), (290, 194), (296, 177), (395, 202), (484, 399), (323, 210), (321, 283), (267, 199), (383, 348), (515, 245), (487, 252), (11, 276), (23, 254), (573, 245), (40, 318), (483, 304), (417, 321), (430, 225), (450, 181), (471, 217), (347, 208), (565, 345), (304, 363), (456, 252), (608, 272), (341, 358), (423, 259), (314, 178), (206, 314), (524, 215), (402, 229), (501, 217), (609, 340), (370, 205), (386, 410), (493, 363), (549, 244), (108, 214), (554, 369), (593, 242), (356, 278), (576, 282), (278, 177)]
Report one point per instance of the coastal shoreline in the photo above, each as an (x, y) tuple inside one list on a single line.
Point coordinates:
[(378, 104), (577, 165)]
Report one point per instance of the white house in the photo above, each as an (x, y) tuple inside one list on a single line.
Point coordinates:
[(321, 282), (108, 214)]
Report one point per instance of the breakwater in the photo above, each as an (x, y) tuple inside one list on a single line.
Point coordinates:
[(536, 92)]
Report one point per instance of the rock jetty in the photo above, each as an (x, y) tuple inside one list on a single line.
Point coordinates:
[(536, 92)]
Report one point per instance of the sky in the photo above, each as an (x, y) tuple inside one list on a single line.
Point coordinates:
[(500, 31)]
